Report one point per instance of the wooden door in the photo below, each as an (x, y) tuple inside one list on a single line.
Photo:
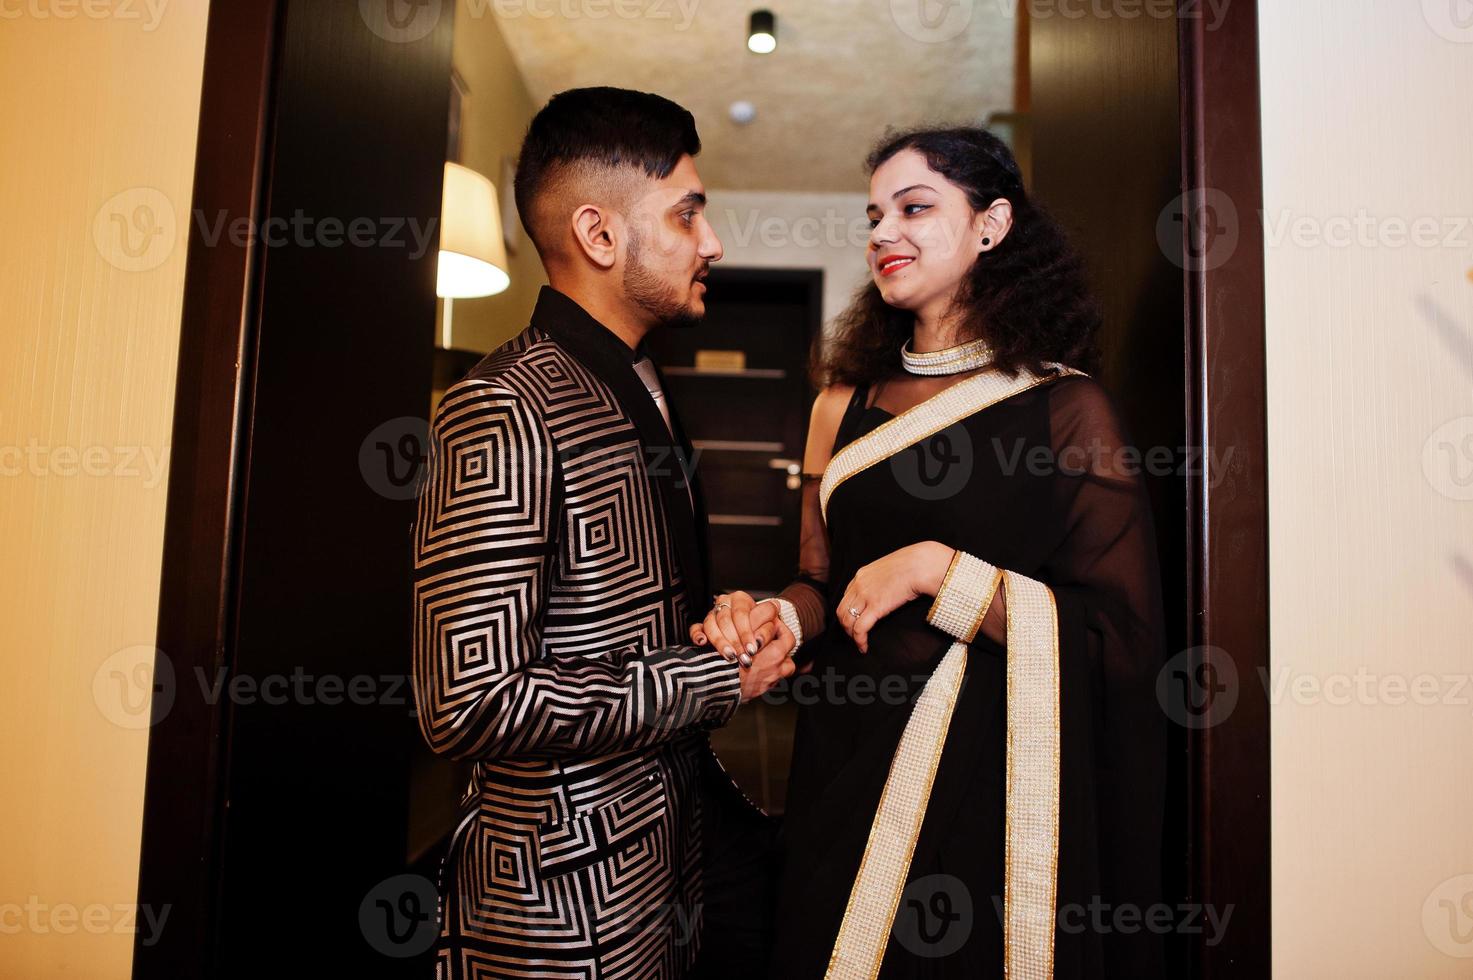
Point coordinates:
[(739, 383), (278, 779)]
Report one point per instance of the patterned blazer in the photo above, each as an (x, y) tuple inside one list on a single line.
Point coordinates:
[(558, 566)]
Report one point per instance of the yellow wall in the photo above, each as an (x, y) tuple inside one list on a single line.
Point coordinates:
[(94, 108), (1370, 371), (494, 119)]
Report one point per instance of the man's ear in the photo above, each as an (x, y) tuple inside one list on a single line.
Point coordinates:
[(594, 232)]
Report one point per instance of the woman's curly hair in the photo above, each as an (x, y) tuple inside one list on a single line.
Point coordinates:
[(1028, 297)]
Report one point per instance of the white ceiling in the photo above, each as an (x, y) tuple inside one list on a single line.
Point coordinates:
[(843, 71)]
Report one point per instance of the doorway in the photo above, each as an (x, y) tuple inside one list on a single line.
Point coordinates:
[(739, 382), (286, 826)]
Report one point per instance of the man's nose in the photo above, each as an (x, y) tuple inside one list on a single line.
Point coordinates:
[(711, 249)]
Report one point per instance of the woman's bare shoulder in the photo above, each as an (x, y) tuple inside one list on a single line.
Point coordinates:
[(828, 412), (828, 407), (833, 398)]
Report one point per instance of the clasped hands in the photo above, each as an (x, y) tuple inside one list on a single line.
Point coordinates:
[(752, 634)]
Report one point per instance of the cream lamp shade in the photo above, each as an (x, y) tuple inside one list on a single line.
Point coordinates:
[(472, 251)]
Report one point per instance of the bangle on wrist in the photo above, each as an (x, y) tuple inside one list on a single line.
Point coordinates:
[(788, 613), (964, 597)]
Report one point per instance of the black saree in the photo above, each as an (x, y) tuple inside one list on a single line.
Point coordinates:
[(1042, 484)]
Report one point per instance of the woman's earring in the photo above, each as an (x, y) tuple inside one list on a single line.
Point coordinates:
[(986, 241)]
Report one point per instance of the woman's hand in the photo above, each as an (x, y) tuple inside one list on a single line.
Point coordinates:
[(737, 627), (883, 586)]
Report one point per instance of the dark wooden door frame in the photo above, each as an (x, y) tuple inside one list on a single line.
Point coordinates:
[(1228, 576), (1227, 534), (179, 859), (269, 363)]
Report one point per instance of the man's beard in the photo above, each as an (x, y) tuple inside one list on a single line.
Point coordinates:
[(659, 299)]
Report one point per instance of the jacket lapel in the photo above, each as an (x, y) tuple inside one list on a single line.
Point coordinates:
[(666, 459), (681, 465)]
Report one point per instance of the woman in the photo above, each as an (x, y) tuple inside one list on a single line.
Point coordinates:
[(977, 781)]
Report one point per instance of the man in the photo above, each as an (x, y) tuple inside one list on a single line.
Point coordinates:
[(559, 567)]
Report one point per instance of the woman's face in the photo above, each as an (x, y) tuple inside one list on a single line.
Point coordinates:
[(924, 237)]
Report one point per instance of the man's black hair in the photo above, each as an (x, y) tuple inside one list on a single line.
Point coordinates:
[(599, 128)]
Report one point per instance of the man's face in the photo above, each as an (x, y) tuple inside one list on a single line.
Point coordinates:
[(669, 248)]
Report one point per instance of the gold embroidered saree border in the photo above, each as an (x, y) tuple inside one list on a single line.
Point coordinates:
[(940, 411), (1031, 844), (1032, 807), (1031, 862), (870, 913)]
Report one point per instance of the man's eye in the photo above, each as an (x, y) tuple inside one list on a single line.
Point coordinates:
[(687, 216)]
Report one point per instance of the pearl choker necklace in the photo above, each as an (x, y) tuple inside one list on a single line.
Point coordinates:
[(952, 360)]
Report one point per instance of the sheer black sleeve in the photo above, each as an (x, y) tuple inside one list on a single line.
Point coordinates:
[(1105, 578)]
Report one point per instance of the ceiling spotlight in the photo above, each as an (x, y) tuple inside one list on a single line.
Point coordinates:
[(762, 32), (742, 112)]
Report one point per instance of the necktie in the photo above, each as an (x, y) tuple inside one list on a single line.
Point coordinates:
[(645, 368)]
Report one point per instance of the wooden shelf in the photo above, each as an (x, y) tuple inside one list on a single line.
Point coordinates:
[(692, 372)]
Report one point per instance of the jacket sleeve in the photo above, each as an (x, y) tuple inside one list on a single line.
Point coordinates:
[(485, 545)]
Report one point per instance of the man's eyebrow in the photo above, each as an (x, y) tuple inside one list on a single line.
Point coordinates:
[(689, 198), (903, 190)]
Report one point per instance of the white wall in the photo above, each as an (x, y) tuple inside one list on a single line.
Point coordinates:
[(777, 229), (494, 118), (1368, 136)]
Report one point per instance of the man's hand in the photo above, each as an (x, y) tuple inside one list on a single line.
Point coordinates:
[(773, 663)]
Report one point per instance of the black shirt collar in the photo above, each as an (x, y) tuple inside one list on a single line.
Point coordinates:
[(560, 315)]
